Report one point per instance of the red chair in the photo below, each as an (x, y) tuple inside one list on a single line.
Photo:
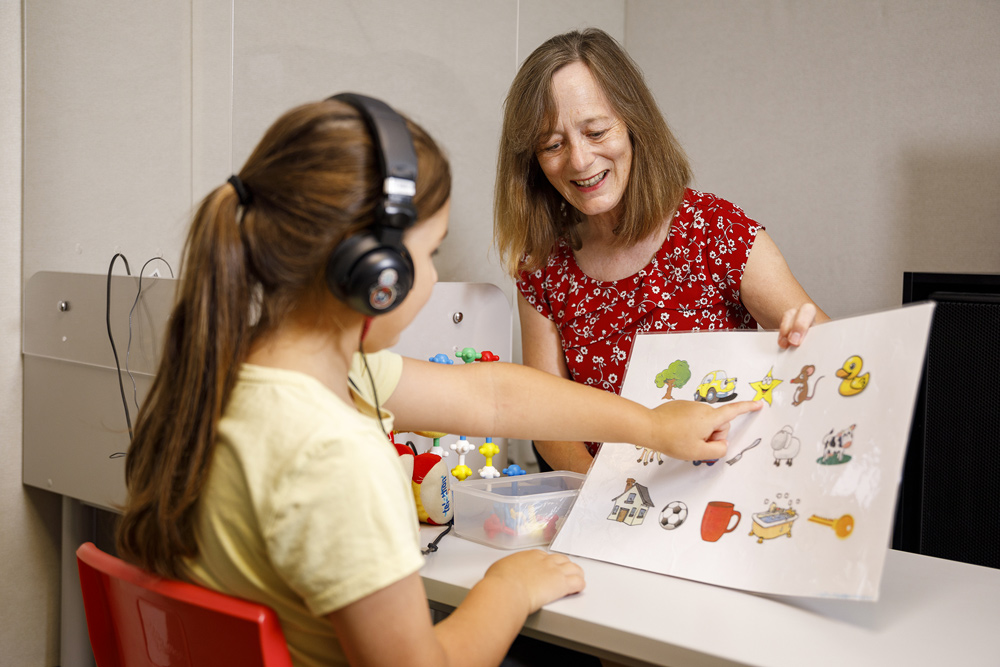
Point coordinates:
[(138, 619)]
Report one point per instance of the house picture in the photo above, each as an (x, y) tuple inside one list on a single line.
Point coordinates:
[(633, 503)]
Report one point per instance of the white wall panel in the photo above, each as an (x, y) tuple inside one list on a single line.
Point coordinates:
[(539, 21), (29, 518), (446, 64), (107, 132), (862, 134)]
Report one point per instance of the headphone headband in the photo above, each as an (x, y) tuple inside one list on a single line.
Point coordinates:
[(397, 159), (372, 271)]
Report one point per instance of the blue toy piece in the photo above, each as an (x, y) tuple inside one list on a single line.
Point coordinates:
[(441, 358), (708, 462), (514, 470)]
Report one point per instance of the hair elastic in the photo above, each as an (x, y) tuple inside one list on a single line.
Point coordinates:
[(241, 190)]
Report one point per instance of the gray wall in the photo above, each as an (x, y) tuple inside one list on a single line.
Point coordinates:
[(863, 134), (133, 115), (29, 519)]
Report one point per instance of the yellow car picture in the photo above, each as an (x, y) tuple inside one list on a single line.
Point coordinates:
[(716, 387)]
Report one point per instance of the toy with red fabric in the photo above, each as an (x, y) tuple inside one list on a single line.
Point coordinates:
[(429, 479)]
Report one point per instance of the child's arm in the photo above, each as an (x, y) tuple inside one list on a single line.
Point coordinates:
[(512, 401), (392, 626)]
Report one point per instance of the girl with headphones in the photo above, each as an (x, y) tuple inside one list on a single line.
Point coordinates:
[(260, 465)]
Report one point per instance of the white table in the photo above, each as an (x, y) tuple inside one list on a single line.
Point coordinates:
[(930, 612)]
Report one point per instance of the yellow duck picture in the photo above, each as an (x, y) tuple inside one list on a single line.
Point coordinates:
[(853, 383)]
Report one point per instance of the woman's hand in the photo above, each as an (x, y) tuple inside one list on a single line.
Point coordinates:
[(536, 576), (795, 323), (692, 431), (774, 297)]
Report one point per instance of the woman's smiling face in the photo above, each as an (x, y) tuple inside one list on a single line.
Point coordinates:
[(587, 156)]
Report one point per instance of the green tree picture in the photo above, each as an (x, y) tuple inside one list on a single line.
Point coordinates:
[(675, 375)]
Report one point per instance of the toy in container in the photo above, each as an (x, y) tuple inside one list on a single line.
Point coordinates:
[(515, 512)]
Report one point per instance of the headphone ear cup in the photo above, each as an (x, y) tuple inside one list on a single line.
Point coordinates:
[(369, 276)]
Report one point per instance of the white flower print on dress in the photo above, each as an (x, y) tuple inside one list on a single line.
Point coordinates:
[(597, 320)]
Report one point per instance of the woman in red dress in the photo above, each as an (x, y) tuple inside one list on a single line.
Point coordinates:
[(594, 218)]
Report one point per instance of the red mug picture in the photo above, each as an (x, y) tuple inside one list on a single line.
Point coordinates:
[(715, 522)]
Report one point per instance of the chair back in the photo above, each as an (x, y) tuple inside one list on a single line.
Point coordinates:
[(138, 619)]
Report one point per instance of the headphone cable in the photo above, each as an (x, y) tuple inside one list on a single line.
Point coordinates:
[(128, 349), (371, 379), (107, 317)]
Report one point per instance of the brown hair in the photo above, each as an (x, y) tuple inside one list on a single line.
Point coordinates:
[(314, 180), (529, 214)]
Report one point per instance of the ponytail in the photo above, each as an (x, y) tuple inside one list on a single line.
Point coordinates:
[(311, 181), (207, 338)]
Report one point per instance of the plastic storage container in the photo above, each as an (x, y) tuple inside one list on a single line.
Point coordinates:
[(515, 512)]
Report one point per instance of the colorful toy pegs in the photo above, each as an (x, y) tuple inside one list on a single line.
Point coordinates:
[(514, 470), (489, 450), (462, 447), (441, 358), (494, 525), (435, 436), (461, 471)]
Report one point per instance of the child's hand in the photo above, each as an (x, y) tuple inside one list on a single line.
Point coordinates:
[(539, 577), (693, 431)]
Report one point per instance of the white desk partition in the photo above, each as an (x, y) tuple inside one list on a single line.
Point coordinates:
[(74, 419), (460, 315), (75, 428)]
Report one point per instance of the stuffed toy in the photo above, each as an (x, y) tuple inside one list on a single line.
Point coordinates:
[(431, 491)]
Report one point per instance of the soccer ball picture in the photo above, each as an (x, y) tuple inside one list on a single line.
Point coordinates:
[(673, 515)]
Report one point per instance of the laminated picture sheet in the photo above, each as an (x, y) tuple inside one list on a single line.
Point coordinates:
[(804, 499)]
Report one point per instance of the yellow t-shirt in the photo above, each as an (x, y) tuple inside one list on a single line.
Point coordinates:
[(307, 508)]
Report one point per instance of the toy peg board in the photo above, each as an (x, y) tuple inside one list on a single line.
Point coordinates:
[(460, 315)]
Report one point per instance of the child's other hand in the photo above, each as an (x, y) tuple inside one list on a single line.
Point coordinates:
[(692, 431), (538, 576)]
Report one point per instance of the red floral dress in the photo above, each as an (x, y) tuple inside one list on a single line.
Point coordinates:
[(692, 283)]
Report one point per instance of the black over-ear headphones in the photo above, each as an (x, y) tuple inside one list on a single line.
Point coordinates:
[(372, 271)]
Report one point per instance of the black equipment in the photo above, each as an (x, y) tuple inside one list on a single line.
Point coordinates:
[(949, 500)]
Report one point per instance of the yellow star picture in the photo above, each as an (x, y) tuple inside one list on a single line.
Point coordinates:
[(765, 386)]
